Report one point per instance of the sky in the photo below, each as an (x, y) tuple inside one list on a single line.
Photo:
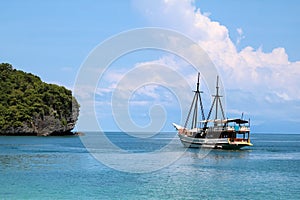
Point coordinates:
[(254, 46)]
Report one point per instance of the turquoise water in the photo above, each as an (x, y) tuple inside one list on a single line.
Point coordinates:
[(62, 168)]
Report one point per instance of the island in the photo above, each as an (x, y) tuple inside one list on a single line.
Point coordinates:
[(29, 106)]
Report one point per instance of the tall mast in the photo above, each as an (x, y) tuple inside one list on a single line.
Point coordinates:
[(194, 107), (217, 96), (198, 83), (216, 102)]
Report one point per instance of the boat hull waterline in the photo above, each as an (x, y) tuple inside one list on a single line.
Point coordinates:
[(220, 143)]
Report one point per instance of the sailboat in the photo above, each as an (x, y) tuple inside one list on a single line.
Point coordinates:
[(219, 132)]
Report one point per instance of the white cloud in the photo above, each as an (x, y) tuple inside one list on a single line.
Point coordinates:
[(250, 68), (269, 76), (240, 37), (145, 79)]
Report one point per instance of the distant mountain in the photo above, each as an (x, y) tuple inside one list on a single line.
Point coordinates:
[(29, 106)]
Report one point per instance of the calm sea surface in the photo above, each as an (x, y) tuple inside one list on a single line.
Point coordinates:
[(62, 168)]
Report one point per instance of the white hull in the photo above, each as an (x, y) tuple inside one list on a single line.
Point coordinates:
[(213, 143)]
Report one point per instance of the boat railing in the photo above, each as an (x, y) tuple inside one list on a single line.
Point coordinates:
[(244, 129), (237, 128), (218, 128), (229, 128)]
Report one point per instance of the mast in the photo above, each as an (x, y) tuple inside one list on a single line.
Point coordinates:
[(216, 102), (194, 107), (217, 96)]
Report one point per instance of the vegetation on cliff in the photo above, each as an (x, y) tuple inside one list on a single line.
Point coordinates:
[(31, 106)]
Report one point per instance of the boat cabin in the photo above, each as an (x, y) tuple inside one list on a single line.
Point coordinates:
[(234, 129)]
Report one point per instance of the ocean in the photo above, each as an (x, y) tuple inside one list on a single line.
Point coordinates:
[(63, 168)]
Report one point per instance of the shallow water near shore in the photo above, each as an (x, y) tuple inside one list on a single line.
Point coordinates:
[(62, 168)]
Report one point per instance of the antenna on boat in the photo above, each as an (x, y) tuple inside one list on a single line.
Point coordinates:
[(194, 107), (216, 102)]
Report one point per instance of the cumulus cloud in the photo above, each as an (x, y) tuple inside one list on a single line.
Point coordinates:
[(256, 82), (269, 77), (238, 67)]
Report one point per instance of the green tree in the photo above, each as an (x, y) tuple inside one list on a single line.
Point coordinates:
[(24, 97)]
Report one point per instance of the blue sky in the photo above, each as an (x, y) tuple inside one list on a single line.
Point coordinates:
[(254, 45)]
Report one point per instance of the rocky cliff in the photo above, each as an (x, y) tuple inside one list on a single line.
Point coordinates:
[(29, 106)]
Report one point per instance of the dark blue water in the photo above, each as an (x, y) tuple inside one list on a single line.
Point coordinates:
[(62, 168)]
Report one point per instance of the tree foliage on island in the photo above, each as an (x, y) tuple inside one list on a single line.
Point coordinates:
[(24, 98)]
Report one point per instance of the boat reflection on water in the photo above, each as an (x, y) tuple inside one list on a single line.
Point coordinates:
[(217, 154)]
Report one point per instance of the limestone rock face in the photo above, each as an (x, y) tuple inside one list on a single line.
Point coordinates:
[(51, 125), (47, 125), (29, 106)]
